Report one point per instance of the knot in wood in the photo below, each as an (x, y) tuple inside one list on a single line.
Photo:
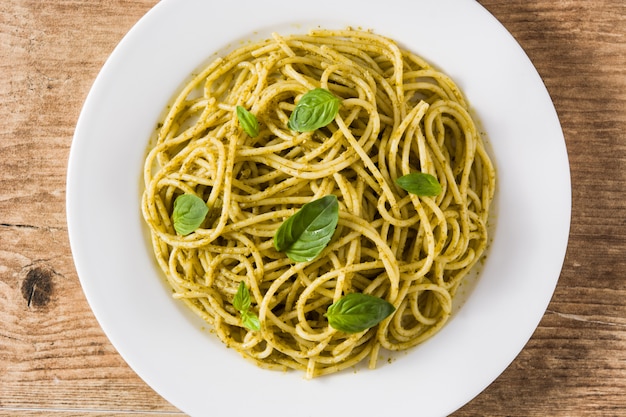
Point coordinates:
[(38, 287)]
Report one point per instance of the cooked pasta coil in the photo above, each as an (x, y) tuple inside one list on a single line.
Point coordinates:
[(397, 115)]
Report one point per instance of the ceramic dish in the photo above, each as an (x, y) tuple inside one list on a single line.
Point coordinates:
[(174, 352)]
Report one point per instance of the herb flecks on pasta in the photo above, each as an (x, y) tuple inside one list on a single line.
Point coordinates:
[(379, 119)]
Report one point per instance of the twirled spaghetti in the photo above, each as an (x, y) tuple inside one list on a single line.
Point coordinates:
[(397, 115)]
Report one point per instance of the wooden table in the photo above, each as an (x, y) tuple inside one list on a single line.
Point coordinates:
[(55, 359)]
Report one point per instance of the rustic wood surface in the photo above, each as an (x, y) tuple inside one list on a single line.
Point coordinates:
[(54, 357)]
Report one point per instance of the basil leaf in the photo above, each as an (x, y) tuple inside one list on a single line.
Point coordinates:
[(356, 312), (305, 234), (248, 122), (420, 183), (242, 298), (242, 303), (250, 320), (189, 213), (315, 109)]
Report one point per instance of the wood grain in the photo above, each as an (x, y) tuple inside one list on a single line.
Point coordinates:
[(53, 356), (55, 359), (575, 364)]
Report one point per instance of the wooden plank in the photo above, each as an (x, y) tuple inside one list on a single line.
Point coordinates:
[(54, 355), (575, 364)]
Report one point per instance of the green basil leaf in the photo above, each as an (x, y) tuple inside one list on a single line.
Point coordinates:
[(356, 312), (242, 303), (250, 320), (420, 183), (242, 298), (305, 234), (189, 213), (315, 109), (248, 122)]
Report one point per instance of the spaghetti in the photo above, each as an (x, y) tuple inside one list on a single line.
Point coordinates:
[(397, 115)]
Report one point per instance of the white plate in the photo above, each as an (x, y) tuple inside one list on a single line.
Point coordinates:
[(169, 348)]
